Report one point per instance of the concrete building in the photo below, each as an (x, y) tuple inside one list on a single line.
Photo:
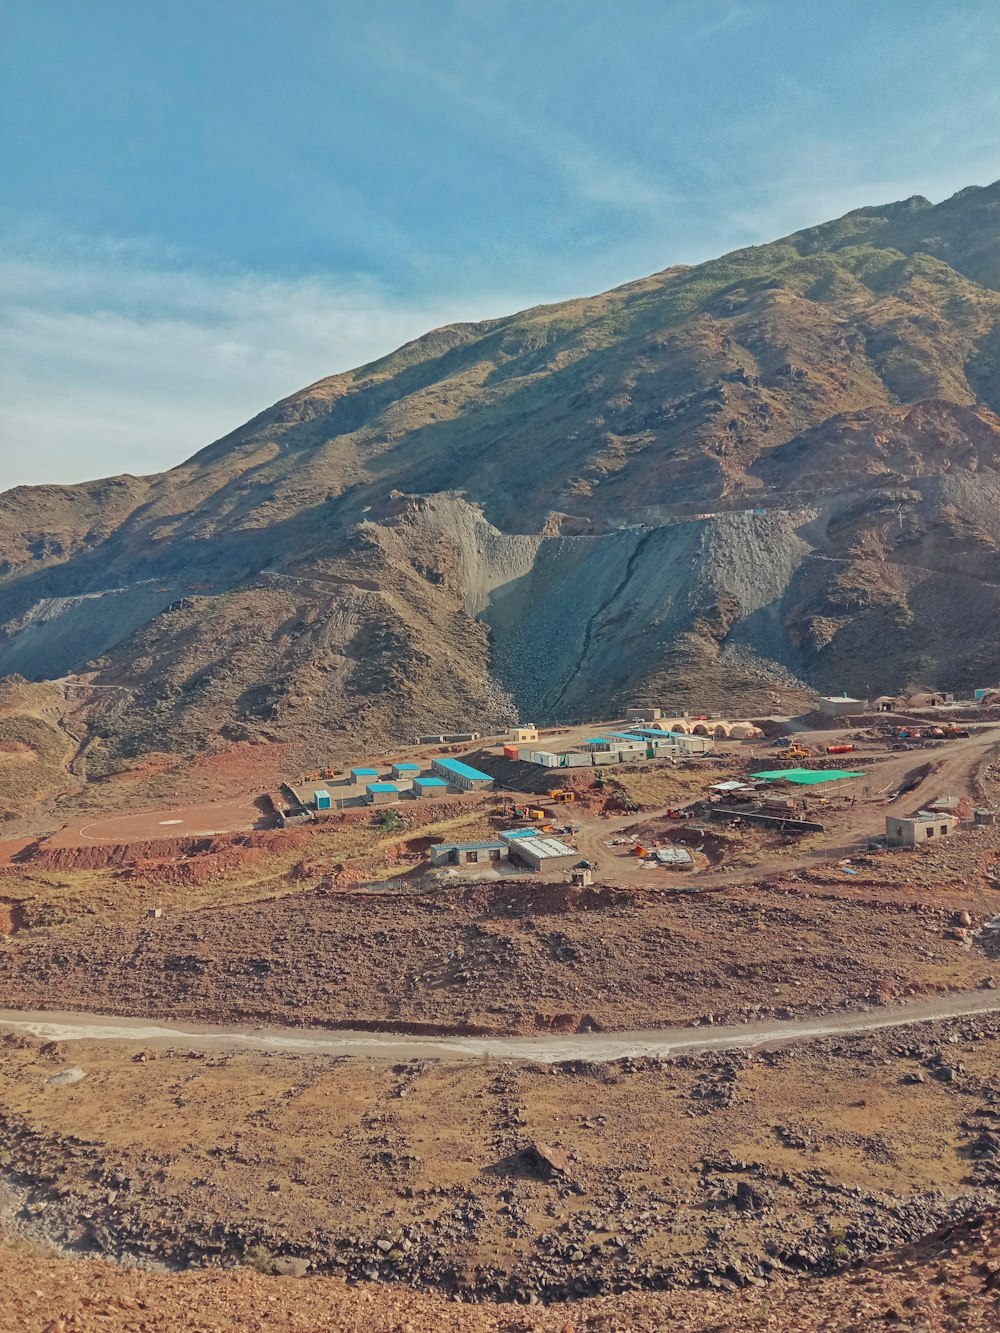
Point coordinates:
[(382, 793), (407, 772), (468, 853), (543, 853), (918, 829), (526, 735), (461, 775), (643, 714), (840, 705), (365, 775), (323, 799), (430, 786)]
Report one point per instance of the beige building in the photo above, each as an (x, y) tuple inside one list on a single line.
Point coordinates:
[(918, 829), (525, 735)]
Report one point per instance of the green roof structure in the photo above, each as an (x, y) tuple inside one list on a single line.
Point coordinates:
[(806, 777)]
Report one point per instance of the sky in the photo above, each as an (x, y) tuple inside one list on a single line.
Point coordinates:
[(207, 205)]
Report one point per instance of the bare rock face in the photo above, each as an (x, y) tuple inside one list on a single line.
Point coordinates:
[(780, 467)]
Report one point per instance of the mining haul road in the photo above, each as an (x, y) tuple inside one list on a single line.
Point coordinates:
[(597, 1046)]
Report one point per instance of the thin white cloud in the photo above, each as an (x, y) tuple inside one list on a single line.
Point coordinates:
[(111, 365), (588, 173)]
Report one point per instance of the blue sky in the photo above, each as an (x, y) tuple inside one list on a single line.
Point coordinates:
[(207, 204)]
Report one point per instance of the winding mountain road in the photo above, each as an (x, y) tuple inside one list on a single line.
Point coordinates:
[(543, 1049)]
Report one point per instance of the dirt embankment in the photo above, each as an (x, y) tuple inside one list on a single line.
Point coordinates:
[(163, 852), (502, 958)]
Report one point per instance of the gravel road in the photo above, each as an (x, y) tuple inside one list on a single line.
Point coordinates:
[(660, 1042)]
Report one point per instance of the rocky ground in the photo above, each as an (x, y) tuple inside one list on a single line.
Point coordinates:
[(946, 1283), (501, 958), (752, 1176)]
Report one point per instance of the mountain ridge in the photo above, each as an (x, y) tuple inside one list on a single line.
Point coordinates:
[(501, 517)]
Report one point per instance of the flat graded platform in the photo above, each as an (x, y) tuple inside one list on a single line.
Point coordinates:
[(190, 821)]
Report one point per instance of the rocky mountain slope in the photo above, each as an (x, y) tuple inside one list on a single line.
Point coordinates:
[(781, 466)]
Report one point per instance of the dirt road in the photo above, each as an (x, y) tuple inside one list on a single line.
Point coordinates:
[(545, 1050)]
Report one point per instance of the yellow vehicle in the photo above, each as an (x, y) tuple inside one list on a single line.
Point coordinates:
[(796, 751)]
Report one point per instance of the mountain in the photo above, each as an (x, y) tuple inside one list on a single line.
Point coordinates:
[(775, 470)]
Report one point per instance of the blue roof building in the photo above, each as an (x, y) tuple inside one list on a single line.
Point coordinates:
[(461, 775), (381, 793)]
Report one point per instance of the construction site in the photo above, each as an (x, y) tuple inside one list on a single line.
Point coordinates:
[(579, 966)]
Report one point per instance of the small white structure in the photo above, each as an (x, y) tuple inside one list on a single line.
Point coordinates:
[(918, 829), (840, 705)]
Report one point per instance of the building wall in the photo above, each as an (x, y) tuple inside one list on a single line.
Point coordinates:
[(916, 832), (544, 862), (459, 779), (456, 856), (841, 707)]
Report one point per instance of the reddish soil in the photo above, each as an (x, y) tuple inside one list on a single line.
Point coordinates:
[(11, 849), (243, 812), (232, 849)]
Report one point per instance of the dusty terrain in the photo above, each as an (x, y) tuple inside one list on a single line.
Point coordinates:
[(728, 1171), (945, 1284), (732, 1183), (778, 467)]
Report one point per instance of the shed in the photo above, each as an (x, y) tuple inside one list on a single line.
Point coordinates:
[(840, 705), (468, 853), (323, 799), (918, 829), (461, 775), (544, 758), (365, 775), (543, 853), (430, 786), (405, 771), (382, 793)]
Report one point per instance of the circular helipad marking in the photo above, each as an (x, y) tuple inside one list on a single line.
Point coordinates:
[(171, 821)]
